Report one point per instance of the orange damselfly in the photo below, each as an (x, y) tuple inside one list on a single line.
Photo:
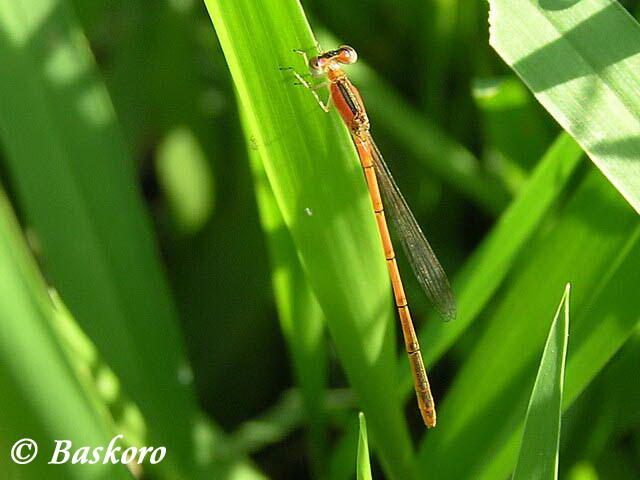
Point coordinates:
[(426, 267)]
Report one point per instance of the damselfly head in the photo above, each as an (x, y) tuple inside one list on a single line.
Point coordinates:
[(345, 55)]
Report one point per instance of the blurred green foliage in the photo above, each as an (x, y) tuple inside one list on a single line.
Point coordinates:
[(208, 229)]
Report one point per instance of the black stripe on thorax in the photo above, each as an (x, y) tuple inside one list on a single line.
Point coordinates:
[(348, 96)]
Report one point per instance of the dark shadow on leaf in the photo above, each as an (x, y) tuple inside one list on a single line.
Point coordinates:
[(627, 148), (557, 4)]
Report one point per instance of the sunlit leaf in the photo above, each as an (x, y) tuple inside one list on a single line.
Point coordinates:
[(580, 59)]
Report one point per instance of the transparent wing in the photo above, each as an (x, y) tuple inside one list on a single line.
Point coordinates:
[(425, 265)]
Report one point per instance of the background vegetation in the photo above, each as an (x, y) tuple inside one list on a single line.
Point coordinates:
[(187, 253)]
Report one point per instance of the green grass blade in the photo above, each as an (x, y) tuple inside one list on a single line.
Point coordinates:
[(319, 189), (601, 262), (44, 404), (301, 319), (580, 60), (538, 456), (76, 185), (485, 271), (363, 469), (609, 314)]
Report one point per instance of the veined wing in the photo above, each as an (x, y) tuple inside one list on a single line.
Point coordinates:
[(425, 265)]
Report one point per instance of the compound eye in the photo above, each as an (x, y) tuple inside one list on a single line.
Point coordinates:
[(347, 55), (317, 65)]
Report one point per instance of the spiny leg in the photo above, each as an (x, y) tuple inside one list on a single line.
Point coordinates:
[(312, 88), (304, 55), (294, 70)]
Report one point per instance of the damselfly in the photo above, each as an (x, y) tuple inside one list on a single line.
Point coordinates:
[(426, 267)]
